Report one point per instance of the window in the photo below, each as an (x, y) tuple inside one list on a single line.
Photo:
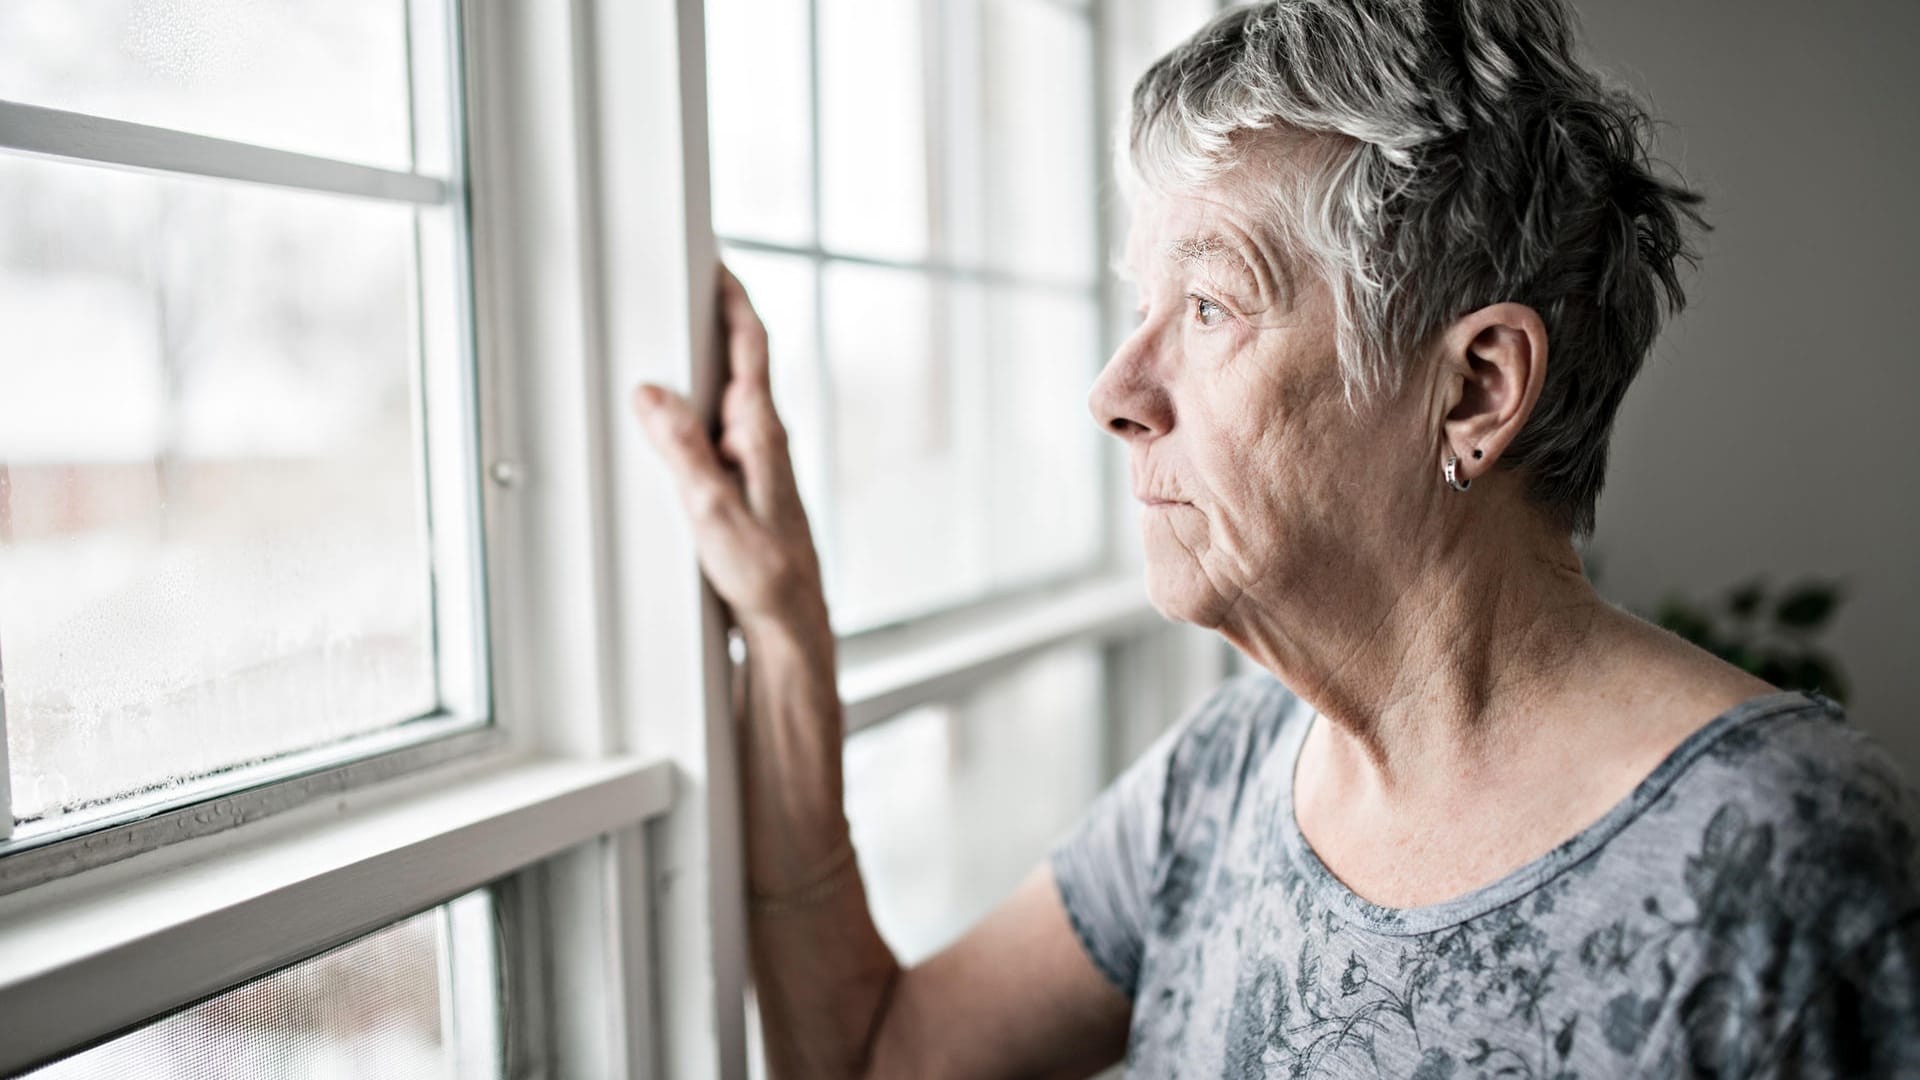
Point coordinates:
[(932, 285), (225, 536), (274, 596)]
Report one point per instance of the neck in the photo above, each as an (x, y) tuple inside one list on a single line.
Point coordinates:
[(1439, 667)]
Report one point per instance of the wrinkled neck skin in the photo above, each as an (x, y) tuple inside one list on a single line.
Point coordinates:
[(1435, 648)]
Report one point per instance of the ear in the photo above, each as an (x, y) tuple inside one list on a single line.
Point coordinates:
[(1493, 366)]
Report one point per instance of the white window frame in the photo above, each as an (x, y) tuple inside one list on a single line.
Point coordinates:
[(595, 786), (602, 804)]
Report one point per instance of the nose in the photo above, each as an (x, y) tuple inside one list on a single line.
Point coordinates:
[(1129, 400)]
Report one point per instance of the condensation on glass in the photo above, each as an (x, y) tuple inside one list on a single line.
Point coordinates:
[(951, 805), (385, 1007), (935, 313), (216, 483)]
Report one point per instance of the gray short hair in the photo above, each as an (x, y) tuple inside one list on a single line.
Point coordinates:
[(1462, 157)]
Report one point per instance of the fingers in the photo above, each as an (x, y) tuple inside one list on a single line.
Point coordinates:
[(754, 440), (677, 433), (753, 437), (746, 334)]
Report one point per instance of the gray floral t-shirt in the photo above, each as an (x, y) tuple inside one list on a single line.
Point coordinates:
[(1752, 909)]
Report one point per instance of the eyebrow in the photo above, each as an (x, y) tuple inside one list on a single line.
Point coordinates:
[(1210, 247), (1271, 277)]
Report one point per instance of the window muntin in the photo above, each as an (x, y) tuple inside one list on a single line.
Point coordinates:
[(238, 498), (952, 301), (397, 1004)]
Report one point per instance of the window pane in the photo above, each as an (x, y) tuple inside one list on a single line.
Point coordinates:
[(321, 78), (759, 97), (213, 545), (952, 805), (872, 128), (955, 459), (1039, 165), (1043, 499), (379, 1008), (908, 440)]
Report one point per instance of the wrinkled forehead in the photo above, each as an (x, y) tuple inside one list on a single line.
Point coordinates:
[(1248, 208), (1219, 228)]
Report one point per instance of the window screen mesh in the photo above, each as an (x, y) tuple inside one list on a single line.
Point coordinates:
[(373, 1009)]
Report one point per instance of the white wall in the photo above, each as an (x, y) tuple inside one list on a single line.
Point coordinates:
[(1775, 427)]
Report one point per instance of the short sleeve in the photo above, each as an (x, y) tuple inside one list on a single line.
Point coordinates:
[(1864, 1020), (1104, 868)]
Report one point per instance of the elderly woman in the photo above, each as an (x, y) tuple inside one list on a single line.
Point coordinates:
[(1397, 263)]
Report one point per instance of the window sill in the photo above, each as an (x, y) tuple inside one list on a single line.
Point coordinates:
[(103, 950)]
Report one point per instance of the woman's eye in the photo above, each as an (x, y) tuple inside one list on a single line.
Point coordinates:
[(1207, 312)]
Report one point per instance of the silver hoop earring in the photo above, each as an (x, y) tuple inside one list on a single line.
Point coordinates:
[(1453, 474)]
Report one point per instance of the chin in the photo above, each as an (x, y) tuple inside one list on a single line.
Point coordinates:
[(1179, 591)]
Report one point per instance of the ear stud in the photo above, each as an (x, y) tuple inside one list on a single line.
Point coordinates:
[(1476, 453)]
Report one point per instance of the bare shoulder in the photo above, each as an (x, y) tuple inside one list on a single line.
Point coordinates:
[(1678, 686)]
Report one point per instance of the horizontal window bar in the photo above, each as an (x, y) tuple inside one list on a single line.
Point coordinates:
[(117, 142), (79, 840), (884, 674), (976, 274), (119, 951)]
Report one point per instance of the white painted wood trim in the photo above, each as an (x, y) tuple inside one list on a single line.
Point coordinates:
[(39, 130), (85, 839), (102, 959), (652, 280), (886, 673), (6, 769)]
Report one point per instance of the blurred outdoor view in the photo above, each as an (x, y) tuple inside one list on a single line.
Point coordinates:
[(952, 805), (213, 543), (924, 251)]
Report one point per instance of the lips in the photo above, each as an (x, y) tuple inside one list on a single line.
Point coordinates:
[(1149, 499)]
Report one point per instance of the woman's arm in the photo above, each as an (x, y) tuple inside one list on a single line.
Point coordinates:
[(1016, 995)]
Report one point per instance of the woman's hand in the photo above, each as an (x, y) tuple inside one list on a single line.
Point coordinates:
[(748, 523)]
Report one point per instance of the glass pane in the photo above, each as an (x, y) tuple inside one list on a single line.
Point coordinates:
[(321, 78), (953, 804), (782, 288), (1043, 499), (213, 546), (759, 97), (1039, 163), (873, 128), (376, 1009), (909, 433)]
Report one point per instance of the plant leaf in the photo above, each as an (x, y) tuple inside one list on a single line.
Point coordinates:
[(1687, 621), (1744, 600), (1807, 606)]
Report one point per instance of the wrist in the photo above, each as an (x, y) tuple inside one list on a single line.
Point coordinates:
[(802, 633)]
